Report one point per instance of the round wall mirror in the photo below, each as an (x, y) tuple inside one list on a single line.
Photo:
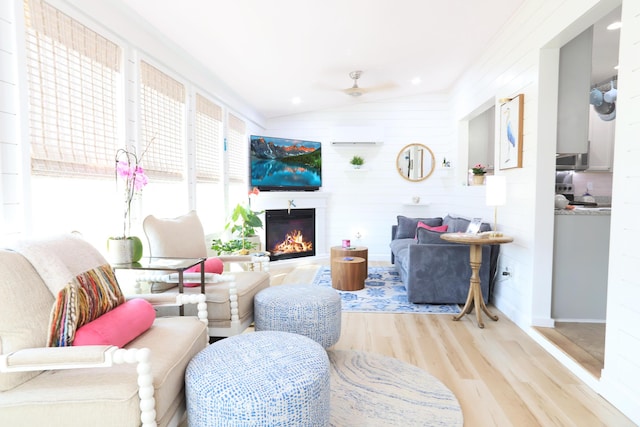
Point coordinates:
[(415, 162)]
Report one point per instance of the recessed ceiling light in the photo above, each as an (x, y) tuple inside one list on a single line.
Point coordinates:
[(416, 80), (614, 26), (296, 100)]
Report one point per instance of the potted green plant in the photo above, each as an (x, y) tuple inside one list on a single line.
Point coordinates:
[(478, 171), (242, 224), (357, 162)]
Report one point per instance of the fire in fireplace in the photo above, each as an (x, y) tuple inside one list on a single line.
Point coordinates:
[(290, 233)]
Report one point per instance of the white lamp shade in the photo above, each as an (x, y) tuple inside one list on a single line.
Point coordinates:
[(496, 187)]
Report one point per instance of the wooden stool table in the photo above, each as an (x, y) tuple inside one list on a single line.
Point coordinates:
[(353, 251), (475, 242), (348, 273)]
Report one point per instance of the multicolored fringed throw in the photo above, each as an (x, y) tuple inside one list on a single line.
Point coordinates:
[(88, 296)]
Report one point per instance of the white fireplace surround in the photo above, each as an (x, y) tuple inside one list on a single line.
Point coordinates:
[(269, 200)]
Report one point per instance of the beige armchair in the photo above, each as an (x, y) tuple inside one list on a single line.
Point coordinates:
[(141, 383), (229, 296)]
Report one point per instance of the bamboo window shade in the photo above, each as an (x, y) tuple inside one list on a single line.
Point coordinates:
[(208, 134), (73, 74), (162, 123), (237, 149)]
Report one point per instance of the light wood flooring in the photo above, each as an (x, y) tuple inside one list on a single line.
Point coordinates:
[(583, 342), (500, 375)]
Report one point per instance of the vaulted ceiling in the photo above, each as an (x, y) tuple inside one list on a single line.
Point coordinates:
[(270, 51)]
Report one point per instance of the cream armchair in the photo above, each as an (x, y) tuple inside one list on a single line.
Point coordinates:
[(229, 296), (141, 383)]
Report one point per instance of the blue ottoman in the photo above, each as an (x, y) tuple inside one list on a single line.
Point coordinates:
[(259, 379), (308, 310)]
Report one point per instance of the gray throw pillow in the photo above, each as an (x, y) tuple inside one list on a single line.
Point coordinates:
[(459, 224), (429, 237), (407, 226)]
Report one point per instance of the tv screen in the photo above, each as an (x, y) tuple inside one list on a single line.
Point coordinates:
[(279, 164)]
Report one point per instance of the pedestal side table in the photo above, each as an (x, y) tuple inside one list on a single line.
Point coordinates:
[(475, 242), (348, 273)]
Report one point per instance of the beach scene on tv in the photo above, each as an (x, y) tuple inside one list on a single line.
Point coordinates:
[(285, 164)]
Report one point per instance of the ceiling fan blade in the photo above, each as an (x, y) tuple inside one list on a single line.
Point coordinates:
[(381, 87), (354, 91)]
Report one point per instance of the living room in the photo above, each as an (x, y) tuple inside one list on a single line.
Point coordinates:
[(363, 205)]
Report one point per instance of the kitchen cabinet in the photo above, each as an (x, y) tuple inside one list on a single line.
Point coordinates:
[(574, 84), (580, 267), (601, 143)]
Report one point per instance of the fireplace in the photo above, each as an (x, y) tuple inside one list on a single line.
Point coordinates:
[(290, 233)]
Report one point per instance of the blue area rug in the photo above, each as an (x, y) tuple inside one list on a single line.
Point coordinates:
[(383, 292)]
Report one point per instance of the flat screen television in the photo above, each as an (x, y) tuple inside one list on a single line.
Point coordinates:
[(279, 164)]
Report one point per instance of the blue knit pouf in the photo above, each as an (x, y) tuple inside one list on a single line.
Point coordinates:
[(259, 379), (308, 310)]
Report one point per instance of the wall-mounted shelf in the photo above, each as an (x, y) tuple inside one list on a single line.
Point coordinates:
[(355, 143), (416, 204), (358, 170)]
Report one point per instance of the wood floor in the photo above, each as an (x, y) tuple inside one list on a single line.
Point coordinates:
[(500, 376), (583, 342)]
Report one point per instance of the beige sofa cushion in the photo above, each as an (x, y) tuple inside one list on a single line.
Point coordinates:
[(108, 396), (24, 312)]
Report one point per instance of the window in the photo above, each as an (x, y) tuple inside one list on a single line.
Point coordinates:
[(237, 150), (208, 132), (162, 106), (73, 75)]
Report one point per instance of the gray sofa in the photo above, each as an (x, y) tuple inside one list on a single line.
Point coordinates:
[(435, 271)]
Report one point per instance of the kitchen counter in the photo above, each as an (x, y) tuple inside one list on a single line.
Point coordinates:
[(584, 211), (580, 266)]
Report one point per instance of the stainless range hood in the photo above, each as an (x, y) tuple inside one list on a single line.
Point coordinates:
[(572, 161)]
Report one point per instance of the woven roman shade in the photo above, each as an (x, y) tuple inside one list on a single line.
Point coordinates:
[(208, 133), (237, 150), (73, 75), (162, 120)]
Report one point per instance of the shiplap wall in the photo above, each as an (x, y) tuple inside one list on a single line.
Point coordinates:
[(621, 375), (9, 160), (368, 201)]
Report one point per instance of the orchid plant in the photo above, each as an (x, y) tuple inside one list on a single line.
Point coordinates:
[(129, 171)]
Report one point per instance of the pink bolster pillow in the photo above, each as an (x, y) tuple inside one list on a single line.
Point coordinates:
[(439, 229), (211, 265), (118, 326)]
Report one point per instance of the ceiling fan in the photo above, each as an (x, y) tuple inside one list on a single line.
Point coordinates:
[(356, 91)]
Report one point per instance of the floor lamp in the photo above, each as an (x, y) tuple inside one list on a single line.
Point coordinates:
[(496, 188)]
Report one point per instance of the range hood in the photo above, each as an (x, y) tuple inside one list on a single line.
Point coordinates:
[(572, 161)]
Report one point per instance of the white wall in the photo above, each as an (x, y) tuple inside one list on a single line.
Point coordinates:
[(621, 375), (10, 164), (523, 59), (368, 201)]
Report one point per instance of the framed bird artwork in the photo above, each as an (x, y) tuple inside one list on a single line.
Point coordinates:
[(511, 117)]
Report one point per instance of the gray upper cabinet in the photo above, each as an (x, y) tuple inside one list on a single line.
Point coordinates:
[(573, 94)]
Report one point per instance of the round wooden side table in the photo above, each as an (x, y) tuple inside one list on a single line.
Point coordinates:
[(354, 251), (348, 273)]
